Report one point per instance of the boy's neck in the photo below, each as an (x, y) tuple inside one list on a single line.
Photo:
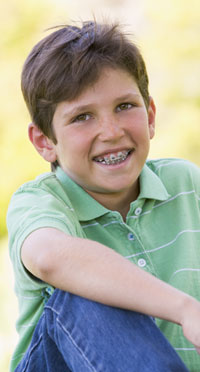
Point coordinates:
[(119, 202)]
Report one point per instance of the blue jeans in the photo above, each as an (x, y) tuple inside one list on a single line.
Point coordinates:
[(78, 335)]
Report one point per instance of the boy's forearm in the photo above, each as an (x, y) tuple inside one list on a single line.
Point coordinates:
[(91, 270)]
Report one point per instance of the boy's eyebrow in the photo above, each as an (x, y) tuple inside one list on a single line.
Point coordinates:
[(77, 109), (128, 96)]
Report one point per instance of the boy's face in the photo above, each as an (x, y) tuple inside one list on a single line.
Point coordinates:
[(103, 135)]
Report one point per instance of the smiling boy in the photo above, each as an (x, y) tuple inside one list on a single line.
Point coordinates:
[(105, 210), (97, 144)]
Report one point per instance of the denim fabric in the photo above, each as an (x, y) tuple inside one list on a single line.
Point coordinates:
[(78, 335)]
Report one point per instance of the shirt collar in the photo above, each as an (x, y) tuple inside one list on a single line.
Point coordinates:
[(151, 186), (87, 208)]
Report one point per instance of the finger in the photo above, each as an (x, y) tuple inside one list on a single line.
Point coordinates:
[(197, 349)]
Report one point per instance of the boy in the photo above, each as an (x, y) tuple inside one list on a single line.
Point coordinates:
[(88, 240)]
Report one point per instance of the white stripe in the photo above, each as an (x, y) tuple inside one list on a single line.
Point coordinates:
[(105, 225), (165, 202), (50, 197), (112, 222), (165, 245), (89, 225), (28, 325), (184, 269), (30, 298), (170, 163), (174, 197)]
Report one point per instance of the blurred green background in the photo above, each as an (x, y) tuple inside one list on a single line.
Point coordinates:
[(168, 33)]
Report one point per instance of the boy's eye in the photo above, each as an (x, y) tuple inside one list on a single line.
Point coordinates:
[(81, 117), (124, 106)]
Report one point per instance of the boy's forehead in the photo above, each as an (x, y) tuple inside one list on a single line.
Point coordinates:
[(124, 88)]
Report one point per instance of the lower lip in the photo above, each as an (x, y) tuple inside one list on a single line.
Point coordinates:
[(117, 165)]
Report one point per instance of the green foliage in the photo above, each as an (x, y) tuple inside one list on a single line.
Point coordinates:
[(8, 309), (173, 52), (23, 22)]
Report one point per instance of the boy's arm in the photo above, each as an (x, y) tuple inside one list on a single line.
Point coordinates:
[(92, 270)]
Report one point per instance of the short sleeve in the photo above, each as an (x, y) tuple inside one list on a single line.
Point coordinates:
[(32, 208)]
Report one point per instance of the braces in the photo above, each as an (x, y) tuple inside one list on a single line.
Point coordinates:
[(114, 159)]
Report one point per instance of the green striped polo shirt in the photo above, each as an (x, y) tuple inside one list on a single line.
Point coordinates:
[(161, 235)]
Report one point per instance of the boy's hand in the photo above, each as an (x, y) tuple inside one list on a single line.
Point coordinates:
[(191, 322)]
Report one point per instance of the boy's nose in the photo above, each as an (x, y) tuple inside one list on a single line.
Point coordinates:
[(110, 129)]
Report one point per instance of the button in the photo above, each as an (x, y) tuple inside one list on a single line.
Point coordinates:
[(142, 262), (138, 211), (131, 236)]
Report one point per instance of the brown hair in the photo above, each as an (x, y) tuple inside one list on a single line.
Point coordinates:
[(68, 60)]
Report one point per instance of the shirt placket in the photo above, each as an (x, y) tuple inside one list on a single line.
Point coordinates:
[(138, 253)]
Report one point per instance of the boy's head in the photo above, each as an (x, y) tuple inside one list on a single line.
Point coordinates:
[(87, 92), (68, 60)]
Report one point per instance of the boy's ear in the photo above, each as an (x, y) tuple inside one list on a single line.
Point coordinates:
[(42, 143), (151, 117)]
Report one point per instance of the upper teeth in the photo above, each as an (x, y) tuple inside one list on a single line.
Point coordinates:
[(112, 159)]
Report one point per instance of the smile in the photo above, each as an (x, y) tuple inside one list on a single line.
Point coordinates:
[(112, 158)]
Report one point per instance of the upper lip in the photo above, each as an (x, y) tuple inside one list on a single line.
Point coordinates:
[(111, 151)]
